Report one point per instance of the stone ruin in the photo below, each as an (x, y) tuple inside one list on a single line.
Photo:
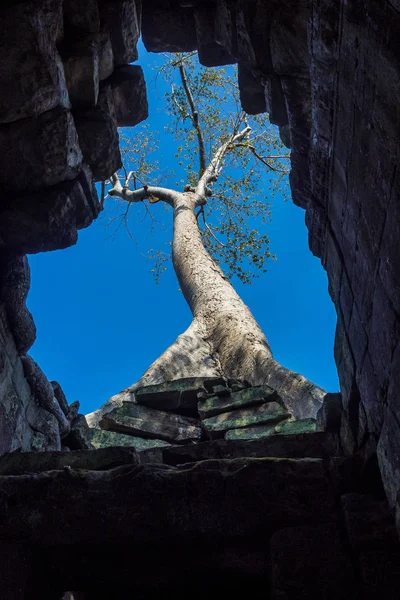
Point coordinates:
[(211, 486)]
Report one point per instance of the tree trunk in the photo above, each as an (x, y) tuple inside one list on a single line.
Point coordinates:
[(223, 339)]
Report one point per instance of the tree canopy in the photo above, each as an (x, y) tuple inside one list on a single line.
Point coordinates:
[(207, 129)]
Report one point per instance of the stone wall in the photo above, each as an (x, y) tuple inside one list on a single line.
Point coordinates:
[(65, 87), (328, 74)]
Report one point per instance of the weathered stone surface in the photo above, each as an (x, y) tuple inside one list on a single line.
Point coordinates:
[(308, 445), (269, 412), (142, 421), (106, 439), (166, 28), (73, 410), (330, 413), (211, 50), (51, 152), (122, 19), (49, 219), (253, 396), (15, 395), (31, 73), (15, 276), (308, 562), (370, 522), (388, 452), (60, 397), (82, 71), (106, 55), (22, 463), (352, 474), (275, 102), (373, 536), (252, 93), (100, 124), (129, 95), (45, 428), (44, 394), (16, 572), (79, 438), (158, 503), (79, 19), (261, 431)]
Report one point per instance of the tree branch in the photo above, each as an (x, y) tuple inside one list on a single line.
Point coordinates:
[(213, 169), (195, 119), (262, 158), (147, 191)]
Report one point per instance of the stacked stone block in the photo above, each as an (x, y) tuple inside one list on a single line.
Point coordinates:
[(66, 87)]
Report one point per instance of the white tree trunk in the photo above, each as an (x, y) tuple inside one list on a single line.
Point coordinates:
[(224, 339)]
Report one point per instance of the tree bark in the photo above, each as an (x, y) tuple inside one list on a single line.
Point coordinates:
[(224, 339)]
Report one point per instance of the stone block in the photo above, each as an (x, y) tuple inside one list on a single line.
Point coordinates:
[(370, 522), (49, 219), (211, 49), (389, 265), (98, 136), (82, 72), (14, 290), (261, 431), (308, 562), (122, 18), (79, 438), (179, 395), (106, 55), (81, 18), (269, 412), (253, 396), (284, 134), (382, 330), (372, 396), (22, 463), (31, 72), (373, 536), (388, 452), (39, 152), (60, 396), (109, 439), (17, 566), (129, 95), (73, 410), (289, 39), (168, 28), (210, 501), (141, 421), (332, 261), (306, 445), (45, 426), (252, 93), (275, 101), (330, 413), (43, 392)]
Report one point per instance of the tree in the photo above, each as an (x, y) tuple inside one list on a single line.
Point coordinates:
[(214, 223)]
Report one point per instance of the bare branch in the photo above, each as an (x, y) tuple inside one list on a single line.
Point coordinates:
[(147, 191), (195, 119), (213, 169), (263, 158)]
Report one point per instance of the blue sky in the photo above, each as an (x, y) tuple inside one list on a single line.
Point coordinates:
[(102, 320)]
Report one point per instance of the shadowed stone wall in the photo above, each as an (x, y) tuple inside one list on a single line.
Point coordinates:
[(65, 87), (328, 74)]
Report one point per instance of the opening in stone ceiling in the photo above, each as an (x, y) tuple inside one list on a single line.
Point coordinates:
[(105, 320)]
